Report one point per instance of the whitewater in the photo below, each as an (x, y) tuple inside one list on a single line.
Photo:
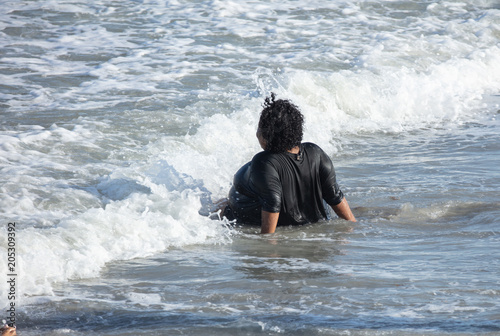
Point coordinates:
[(121, 122)]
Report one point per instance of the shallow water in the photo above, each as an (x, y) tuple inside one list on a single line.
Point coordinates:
[(119, 121)]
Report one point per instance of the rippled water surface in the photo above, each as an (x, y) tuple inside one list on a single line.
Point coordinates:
[(119, 121)]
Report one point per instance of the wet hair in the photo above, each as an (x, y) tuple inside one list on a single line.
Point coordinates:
[(281, 124)]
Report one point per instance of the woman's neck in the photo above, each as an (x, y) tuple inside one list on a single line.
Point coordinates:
[(294, 150)]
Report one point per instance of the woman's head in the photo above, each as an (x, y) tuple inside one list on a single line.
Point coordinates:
[(280, 125)]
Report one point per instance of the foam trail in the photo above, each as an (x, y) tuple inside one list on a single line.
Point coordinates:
[(393, 100), (121, 120), (139, 220)]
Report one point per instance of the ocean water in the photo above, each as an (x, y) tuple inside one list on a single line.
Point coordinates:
[(121, 121)]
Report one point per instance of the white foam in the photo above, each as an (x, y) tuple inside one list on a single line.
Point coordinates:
[(133, 212), (138, 226), (144, 299), (109, 186), (394, 99)]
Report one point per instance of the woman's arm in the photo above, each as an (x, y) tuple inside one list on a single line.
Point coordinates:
[(269, 221), (344, 211)]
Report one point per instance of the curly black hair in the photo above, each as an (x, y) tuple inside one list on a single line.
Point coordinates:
[(281, 124)]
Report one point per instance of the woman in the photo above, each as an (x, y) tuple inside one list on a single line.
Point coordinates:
[(287, 182)]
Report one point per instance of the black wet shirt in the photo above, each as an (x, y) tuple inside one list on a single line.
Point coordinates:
[(294, 185)]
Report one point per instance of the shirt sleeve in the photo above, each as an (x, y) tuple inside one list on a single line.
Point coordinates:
[(330, 189), (265, 182)]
